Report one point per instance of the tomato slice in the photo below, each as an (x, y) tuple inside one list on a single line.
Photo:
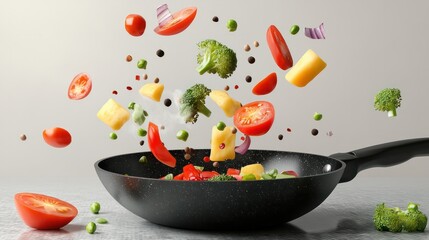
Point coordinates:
[(57, 137), (255, 118), (266, 85), (190, 173), (179, 22), (44, 212), (157, 146), (232, 171), (80, 86), (205, 175), (279, 48), (135, 25), (178, 176)]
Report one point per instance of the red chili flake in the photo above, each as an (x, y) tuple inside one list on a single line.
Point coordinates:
[(137, 77), (289, 130), (236, 87), (115, 92), (242, 138), (222, 146), (129, 88), (206, 159)]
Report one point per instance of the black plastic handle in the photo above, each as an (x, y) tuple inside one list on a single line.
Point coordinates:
[(382, 155)]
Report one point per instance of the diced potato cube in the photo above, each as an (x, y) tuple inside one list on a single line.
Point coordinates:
[(224, 101), (306, 69), (152, 91), (222, 144), (256, 169), (113, 114)]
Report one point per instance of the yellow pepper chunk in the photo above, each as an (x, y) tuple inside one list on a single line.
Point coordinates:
[(152, 91), (224, 101), (306, 69), (222, 144), (113, 114), (256, 169)]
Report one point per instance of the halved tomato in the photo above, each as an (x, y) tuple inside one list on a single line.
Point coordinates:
[(157, 147), (266, 85), (44, 212), (80, 86), (279, 48), (57, 137), (179, 22), (255, 118)]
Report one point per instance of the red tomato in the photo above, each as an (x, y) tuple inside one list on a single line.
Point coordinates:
[(180, 21), (57, 137), (255, 118), (279, 48), (190, 173), (80, 86), (178, 177), (266, 85), (205, 175), (135, 25), (157, 147), (232, 171), (44, 212)]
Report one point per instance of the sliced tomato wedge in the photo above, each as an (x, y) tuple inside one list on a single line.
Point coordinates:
[(179, 22), (205, 175), (57, 137), (255, 118), (80, 86), (190, 173), (279, 48), (178, 176), (266, 85), (232, 171), (157, 147), (44, 212)]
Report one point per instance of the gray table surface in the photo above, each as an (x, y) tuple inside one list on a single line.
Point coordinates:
[(346, 214)]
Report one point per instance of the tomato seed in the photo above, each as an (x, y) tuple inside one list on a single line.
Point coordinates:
[(222, 146)]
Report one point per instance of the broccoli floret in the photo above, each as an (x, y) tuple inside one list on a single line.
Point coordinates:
[(193, 102), (215, 57), (396, 220), (222, 177), (388, 100)]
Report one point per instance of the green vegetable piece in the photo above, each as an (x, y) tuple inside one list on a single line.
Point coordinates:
[(216, 58), (169, 176), (266, 176), (182, 135), (294, 29), (193, 101), (248, 177), (283, 176), (131, 105), (91, 227), (388, 100), (113, 136), (220, 126), (231, 24), (273, 173), (415, 220), (143, 159), (200, 168), (141, 132), (222, 177), (396, 220), (145, 113), (138, 114), (142, 64), (317, 116), (101, 220), (95, 207)]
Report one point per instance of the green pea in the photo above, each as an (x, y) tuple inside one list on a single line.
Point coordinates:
[(91, 227), (169, 176), (182, 135), (131, 105), (317, 116), (294, 29), (231, 24), (101, 220), (142, 64), (220, 126), (143, 159), (95, 207), (113, 136), (141, 132)]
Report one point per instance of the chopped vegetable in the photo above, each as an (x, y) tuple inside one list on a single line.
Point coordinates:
[(113, 136), (190, 173), (231, 24), (163, 15), (142, 64), (141, 132), (80, 86), (153, 91), (388, 100), (138, 115), (255, 118), (248, 177), (294, 29), (157, 147), (143, 159), (57, 137), (242, 149), (113, 114), (222, 144), (95, 207), (220, 126), (214, 57), (193, 101), (178, 22), (256, 169), (221, 178), (169, 176), (397, 220), (135, 25), (317, 116), (266, 85), (315, 33), (306, 69), (228, 104), (182, 135), (101, 220), (91, 227), (279, 49)]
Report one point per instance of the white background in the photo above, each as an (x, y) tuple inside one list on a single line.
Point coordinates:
[(370, 45)]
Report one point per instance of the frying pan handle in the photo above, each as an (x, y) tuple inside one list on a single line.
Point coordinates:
[(382, 155)]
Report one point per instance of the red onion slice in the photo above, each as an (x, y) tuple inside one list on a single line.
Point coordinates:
[(163, 15), (242, 149), (315, 33)]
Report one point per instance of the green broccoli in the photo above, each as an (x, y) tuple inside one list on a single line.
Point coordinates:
[(215, 57), (193, 102), (388, 100), (396, 220), (222, 177)]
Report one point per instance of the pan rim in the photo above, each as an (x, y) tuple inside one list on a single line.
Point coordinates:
[(340, 169)]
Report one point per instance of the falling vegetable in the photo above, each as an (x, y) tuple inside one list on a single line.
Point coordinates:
[(171, 24), (315, 33), (242, 149), (388, 100), (306, 69)]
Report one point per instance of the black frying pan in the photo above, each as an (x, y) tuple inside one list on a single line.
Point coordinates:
[(241, 204)]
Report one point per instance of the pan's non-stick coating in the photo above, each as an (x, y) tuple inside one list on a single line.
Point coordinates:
[(209, 205)]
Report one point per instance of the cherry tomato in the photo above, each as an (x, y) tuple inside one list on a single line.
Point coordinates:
[(190, 173), (255, 118), (44, 212), (232, 171), (135, 25), (80, 86), (266, 85), (179, 22), (157, 147), (57, 137), (279, 48)]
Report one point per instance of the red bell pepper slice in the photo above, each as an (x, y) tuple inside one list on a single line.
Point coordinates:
[(157, 147)]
